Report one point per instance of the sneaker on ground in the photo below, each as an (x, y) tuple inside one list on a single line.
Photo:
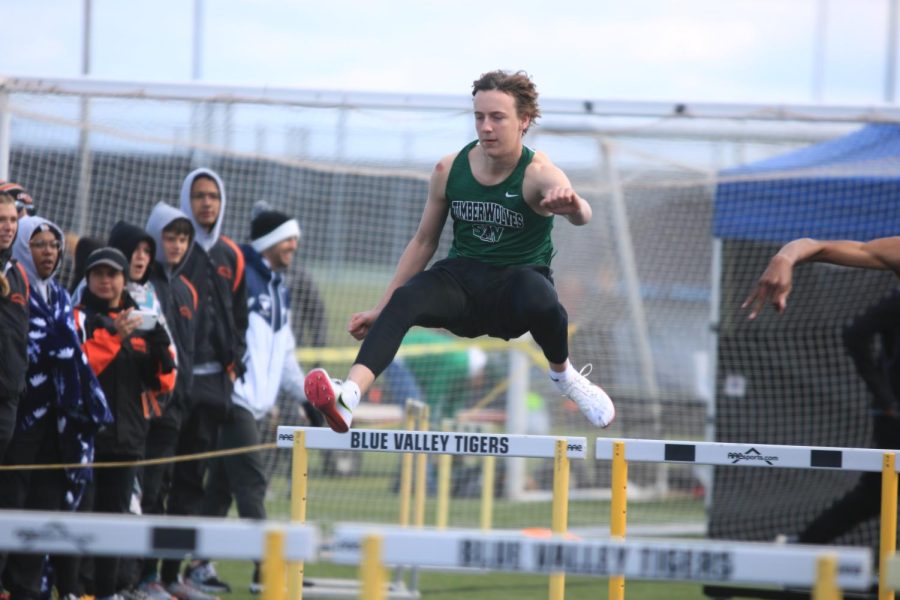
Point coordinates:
[(324, 393), (154, 590), (135, 594), (205, 578), (594, 403), (186, 591)]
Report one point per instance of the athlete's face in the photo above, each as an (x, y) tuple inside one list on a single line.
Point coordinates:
[(497, 123), (281, 254)]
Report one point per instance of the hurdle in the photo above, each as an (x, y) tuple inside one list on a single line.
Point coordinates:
[(561, 449), (825, 568), (162, 537), (777, 457)]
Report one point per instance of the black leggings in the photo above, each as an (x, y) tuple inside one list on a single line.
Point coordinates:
[(471, 298)]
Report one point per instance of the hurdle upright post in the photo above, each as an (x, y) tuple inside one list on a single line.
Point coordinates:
[(488, 474), (273, 566), (406, 466), (421, 474), (888, 523), (299, 492), (444, 469), (560, 521), (371, 569), (618, 510), (826, 587)]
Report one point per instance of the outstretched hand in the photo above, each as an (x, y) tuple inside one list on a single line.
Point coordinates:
[(561, 201), (774, 286), (361, 322)]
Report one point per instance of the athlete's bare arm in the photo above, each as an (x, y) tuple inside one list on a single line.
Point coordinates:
[(548, 191), (774, 285), (418, 251)]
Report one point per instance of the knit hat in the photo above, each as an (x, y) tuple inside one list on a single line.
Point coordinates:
[(269, 227), (108, 256)]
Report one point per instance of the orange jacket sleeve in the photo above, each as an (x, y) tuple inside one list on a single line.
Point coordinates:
[(101, 349)]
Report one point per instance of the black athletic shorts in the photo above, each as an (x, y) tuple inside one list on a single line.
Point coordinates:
[(489, 290)]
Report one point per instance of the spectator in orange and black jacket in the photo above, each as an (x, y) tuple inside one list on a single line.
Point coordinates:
[(132, 365), (13, 322), (173, 234)]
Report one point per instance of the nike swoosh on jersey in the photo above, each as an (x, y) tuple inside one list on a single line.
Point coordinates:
[(508, 195)]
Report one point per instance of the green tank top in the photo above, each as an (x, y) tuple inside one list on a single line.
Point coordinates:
[(492, 223)]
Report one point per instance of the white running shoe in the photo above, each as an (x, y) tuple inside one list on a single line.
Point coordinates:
[(594, 403), (324, 393), (183, 590)]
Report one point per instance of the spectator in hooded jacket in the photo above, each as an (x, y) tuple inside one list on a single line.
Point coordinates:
[(61, 410), (13, 323), (139, 248), (83, 249), (132, 365), (173, 234), (270, 367), (215, 267)]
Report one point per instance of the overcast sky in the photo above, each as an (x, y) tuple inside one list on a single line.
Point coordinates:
[(712, 50)]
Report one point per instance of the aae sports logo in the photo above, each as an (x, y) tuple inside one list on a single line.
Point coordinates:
[(751, 455)]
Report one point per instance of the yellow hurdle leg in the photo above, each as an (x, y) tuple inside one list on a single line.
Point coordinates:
[(299, 491), (371, 570), (618, 510), (560, 522), (421, 476), (406, 470), (826, 587), (273, 566), (488, 474), (888, 523)]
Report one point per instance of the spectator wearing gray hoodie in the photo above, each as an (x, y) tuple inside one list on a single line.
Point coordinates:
[(215, 267)]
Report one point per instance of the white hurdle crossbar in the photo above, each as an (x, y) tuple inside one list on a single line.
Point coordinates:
[(671, 560), (432, 442), (147, 535), (744, 455)]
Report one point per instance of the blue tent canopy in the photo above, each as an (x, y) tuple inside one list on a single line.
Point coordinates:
[(847, 188)]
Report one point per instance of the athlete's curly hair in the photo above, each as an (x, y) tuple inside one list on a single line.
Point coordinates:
[(518, 85)]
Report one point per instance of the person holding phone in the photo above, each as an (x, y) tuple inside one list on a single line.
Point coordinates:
[(130, 365)]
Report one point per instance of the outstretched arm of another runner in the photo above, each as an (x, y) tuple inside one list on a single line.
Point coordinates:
[(774, 285), (418, 251)]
